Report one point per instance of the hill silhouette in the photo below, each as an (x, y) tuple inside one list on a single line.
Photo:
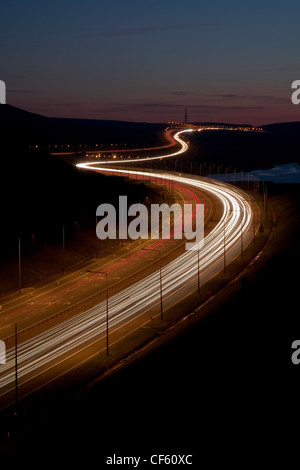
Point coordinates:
[(34, 129)]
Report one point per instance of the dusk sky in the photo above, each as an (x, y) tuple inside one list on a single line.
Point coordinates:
[(135, 60)]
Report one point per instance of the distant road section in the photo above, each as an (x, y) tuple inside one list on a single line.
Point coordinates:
[(171, 134)]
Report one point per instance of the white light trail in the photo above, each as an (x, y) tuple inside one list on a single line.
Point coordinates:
[(184, 147), (62, 340)]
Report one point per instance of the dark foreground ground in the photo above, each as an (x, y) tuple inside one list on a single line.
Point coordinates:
[(225, 391)]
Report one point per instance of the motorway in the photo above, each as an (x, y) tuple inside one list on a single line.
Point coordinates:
[(52, 349)]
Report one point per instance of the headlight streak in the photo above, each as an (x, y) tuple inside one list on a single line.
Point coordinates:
[(184, 147), (72, 333)]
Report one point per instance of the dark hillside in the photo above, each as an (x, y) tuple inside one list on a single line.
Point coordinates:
[(33, 129)]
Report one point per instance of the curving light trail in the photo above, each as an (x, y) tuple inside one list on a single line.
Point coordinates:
[(59, 342), (184, 147)]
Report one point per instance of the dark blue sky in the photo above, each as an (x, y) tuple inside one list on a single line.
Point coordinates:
[(145, 60)]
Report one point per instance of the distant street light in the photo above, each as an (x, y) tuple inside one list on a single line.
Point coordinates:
[(160, 279)]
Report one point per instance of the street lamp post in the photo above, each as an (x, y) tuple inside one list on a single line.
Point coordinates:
[(198, 270), (63, 249), (97, 253), (16, 368), (224, 243), (242, 242), (253, 226), (20, 276), (160, 279), (224, 250), (106, 279)]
